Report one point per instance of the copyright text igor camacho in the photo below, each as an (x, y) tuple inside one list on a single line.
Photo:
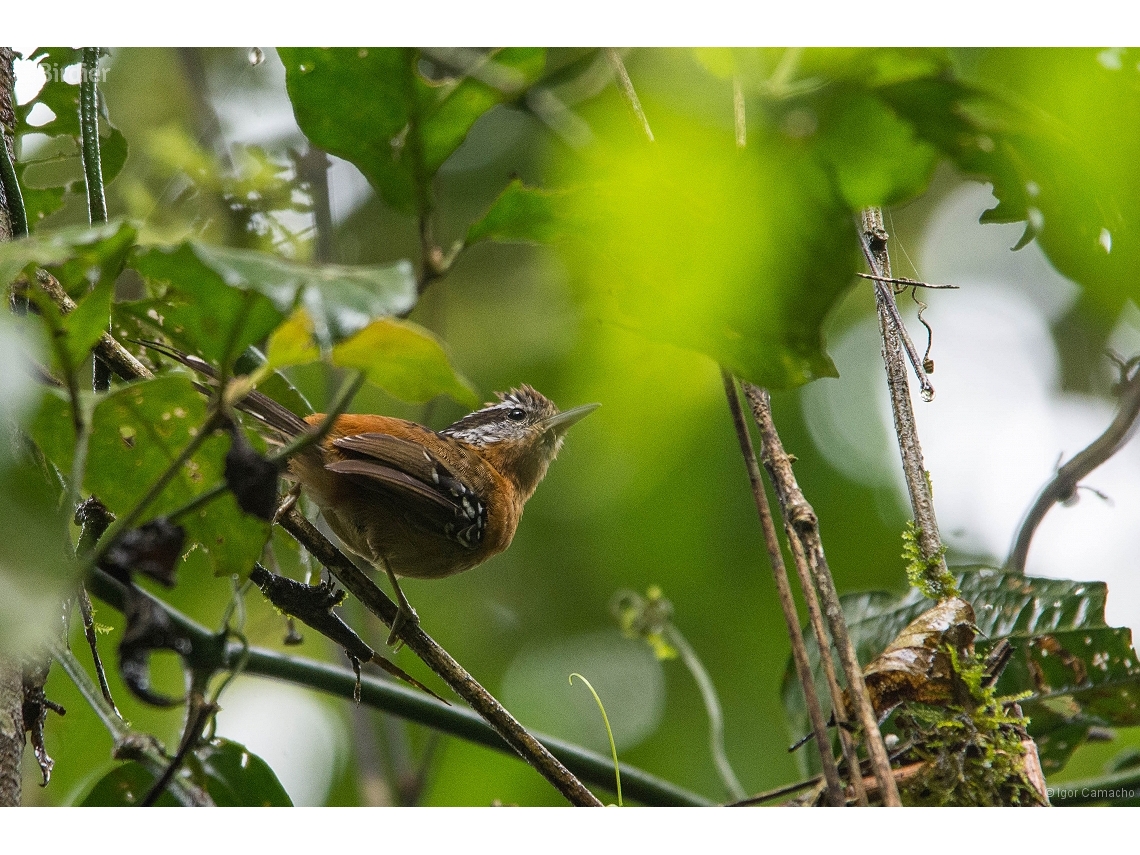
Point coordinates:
[(1062, 793)]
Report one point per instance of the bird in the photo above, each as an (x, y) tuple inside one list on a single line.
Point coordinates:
[(420, 503)]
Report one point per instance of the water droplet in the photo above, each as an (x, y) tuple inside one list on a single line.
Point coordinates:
[(304, 68), (1036, 219), (256, 56), (927, 393), (1032, 189), (1105, 240)]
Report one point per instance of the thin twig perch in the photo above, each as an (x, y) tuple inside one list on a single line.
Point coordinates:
[(938, 581), (802, 525), (835, 792)]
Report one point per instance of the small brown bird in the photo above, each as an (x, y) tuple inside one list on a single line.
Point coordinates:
[(418, 502)]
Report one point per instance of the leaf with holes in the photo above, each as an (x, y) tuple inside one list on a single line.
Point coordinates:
[(136, 433)]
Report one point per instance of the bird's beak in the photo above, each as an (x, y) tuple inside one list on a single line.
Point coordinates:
[(560, 422)]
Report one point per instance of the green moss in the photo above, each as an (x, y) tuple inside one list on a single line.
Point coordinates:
[(929, 574), (973, 753)]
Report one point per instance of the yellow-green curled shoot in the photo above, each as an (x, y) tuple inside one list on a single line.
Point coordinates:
[(609, 732)]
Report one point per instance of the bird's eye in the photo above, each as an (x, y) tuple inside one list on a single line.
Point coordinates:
[(516, 415)]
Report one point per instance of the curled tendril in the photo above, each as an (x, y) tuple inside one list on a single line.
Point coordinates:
[(927, 362)]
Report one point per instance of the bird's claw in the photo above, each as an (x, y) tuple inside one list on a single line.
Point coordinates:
[(405, 615)]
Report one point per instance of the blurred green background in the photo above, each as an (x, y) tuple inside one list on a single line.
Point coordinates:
[(650, 490)]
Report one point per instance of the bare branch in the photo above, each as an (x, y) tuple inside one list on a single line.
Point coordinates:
[(439, 660), (1072, 473), (802, 526), (835, 792), (937, 581)]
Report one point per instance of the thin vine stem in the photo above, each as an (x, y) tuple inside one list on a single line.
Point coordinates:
[(936, 578), (609, 731), (712, 707), (13, 196), (93, 173), (89, 135)]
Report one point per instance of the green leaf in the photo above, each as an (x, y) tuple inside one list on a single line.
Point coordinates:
[(125, 786), (876, 157), (406, 361), (235, 297), (78, 256), (231, 774), (236, 777), (1057, 132), (85, 325), (374, 108), (136, 432), (521, 213), (37, 571), (292, 343), (1081, 673), (200, 312), (736, 254)]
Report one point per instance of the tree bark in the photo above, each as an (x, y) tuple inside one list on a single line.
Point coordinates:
[(11, 673)]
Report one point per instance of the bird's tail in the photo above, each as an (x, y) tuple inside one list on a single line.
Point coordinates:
[(260, 406)]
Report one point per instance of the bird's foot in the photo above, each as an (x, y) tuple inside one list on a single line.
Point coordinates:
[(405, 616)]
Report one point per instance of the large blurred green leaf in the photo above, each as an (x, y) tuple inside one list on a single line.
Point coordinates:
[(229, 298), (1081, 672), (46, 176), (737, 254), (231, 774), (36, 569), (375, 108), (136, 432)]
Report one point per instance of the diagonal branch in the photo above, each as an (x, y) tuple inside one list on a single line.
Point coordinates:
[(439, 660), (1072, 473)]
